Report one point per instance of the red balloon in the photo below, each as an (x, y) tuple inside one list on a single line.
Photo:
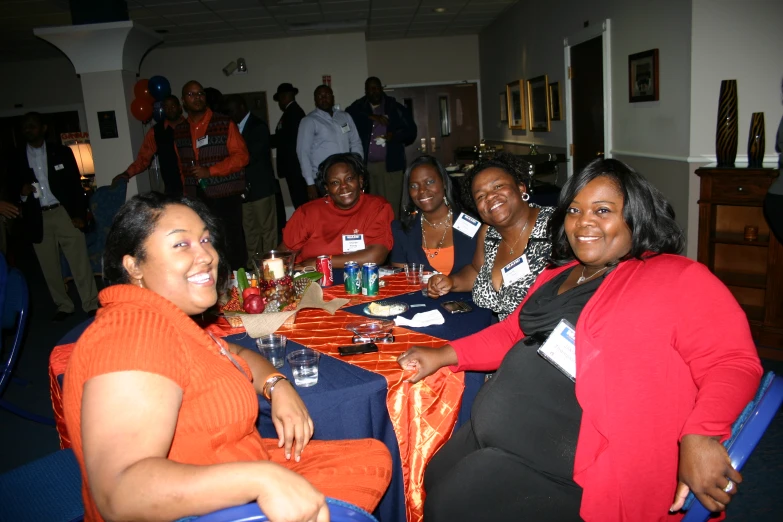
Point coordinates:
[(141, 89), (141, 108)]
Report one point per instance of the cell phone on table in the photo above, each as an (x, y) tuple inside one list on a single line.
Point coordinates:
[(456, 307), (356, 349)]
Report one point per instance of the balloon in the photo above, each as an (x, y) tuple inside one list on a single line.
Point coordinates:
[(159, 87), (141, 89), (157, 112), (141, 109)]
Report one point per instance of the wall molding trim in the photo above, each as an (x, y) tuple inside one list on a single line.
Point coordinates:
[(634, 154), (770, 160)]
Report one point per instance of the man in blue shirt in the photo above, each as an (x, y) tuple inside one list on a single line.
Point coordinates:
[(323, 132)]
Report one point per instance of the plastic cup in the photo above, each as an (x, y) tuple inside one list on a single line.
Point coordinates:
[(425, 279), (304, 366), (272, 347), (413, 273)]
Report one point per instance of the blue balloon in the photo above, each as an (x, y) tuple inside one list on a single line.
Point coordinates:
[(159, 87), (157, 112)]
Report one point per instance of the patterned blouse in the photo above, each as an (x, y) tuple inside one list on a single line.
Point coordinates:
[(537, 251)]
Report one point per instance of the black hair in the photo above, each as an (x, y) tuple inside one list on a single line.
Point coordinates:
[(134, 223), (322, 86), (373, 79), (648, 214), (171, 97), (409, 208), (354, 162), (504, 161), (37, 116)]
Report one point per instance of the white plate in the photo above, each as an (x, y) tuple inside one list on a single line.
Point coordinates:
[(401, 308)]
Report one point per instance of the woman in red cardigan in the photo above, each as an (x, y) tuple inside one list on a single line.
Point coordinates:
[(663, 363)]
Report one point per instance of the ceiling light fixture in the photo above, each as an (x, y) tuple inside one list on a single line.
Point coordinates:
[(439, 10)]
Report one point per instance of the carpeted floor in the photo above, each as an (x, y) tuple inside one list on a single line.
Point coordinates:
[(22, 441)]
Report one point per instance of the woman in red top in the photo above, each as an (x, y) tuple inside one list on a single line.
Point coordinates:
[(163, 415), (663, 363), (346, 224)]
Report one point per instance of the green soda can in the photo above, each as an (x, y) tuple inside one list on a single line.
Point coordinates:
[(353, 278), (203, 183), (370, 279)]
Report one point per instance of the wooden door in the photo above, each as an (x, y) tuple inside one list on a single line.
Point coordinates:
[(587, 102)]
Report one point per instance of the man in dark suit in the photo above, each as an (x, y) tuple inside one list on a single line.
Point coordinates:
[(259, 211), (47, 182), (284, 140)]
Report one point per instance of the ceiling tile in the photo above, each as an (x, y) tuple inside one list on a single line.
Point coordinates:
[(161, 2), (254, 22), (188, 8), (223, 5), (241, 14), (189, 19)]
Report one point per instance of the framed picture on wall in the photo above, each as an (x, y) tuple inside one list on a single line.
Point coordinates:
[(538, 104), (555, 102), (643, 76), (516, 109), (503, 107)]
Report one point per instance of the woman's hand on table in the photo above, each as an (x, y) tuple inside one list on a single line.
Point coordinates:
[(426, 361), (291, 419), (288, 497), (439, 285), (705, 468), (305, 263)]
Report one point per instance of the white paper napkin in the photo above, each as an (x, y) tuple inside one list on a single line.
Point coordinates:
[(431, 318)]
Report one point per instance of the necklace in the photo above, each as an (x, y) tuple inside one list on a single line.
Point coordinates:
[(582, 278), (446, 223), (511, 247)]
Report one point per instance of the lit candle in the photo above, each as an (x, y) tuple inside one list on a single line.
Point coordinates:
[(273, 269)]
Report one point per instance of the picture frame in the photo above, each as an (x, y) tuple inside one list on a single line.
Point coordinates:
[(445, 116), (555, 102), (538, 104), (643, 76), (503, 107), (515, 105)]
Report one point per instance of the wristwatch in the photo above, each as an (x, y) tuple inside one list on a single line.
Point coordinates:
[(269, 385)]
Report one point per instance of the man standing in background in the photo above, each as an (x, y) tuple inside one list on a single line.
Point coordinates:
[(385, 128), (284, 139), (160, 140), (323, 132), (259, 213)]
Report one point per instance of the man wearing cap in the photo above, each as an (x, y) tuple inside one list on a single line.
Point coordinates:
[(284, 139)]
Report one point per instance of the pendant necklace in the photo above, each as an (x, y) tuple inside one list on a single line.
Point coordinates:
[(446, 223), (511, 247), (582, 278)]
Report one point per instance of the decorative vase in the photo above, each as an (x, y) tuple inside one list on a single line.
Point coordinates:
[(756, 140), (726, 135)]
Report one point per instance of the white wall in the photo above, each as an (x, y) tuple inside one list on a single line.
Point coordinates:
[(300, 61), (424, 60)]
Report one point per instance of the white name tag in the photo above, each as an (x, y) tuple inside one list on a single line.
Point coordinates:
[(59, 167), (515, 270), (560, 349), (353, 243), (345, 128), (467, 225), (204, 140)]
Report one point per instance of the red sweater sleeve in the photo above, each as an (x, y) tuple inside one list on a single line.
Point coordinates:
[(296, 231), (147, 150), (379, 231), (714, 339)]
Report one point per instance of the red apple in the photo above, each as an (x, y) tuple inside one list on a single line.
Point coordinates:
[(250, 291), (254, 304)]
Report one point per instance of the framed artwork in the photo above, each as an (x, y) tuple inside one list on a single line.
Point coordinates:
[(555, 102), (515, 107), (643, 76), (503, 107), (445, 117), (538, 104)]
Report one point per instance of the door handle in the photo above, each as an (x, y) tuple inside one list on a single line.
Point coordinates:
[(423, 147), (432, 145), (599, 154)]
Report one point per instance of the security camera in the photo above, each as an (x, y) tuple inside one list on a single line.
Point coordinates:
[(241, 66), (229, 69)]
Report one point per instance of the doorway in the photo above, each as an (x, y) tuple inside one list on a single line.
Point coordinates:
[(447, 117)]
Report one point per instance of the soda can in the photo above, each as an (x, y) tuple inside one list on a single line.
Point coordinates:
[(323, 264), (370, 279), (353, 278)]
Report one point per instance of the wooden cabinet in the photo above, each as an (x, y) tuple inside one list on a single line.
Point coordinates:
[(730, 200)]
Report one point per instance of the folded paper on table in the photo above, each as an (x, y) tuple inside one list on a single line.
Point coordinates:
[(430, 318), (265, 324)]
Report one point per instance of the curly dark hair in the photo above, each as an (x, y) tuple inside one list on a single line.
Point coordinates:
[(508, 163), (354, 162), (646, 212), (409, 208), (134, 223)]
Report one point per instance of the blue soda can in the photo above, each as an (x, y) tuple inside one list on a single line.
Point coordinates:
[(353, 278), (370, 279)]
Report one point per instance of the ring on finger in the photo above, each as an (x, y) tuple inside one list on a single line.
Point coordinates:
[(729, 487)]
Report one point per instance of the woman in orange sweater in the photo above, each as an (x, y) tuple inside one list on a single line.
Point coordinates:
[(163, 415)]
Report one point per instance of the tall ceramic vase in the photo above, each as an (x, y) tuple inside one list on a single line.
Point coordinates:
[(756, 140), (726, 135)]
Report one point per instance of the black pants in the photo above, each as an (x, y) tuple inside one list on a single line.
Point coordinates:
[(297, 188), (773, 211), (229, 212)]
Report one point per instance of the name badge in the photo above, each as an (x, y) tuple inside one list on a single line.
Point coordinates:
[(353, 243), (345, 128), (59, 167), (515, 270), (560, 349), (467, 225), (202, 141)]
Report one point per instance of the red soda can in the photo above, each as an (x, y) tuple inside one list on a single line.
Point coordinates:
[(323, 264)]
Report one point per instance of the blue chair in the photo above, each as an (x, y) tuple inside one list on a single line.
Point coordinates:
[(47, 489), (339, 511), (14, 317), (746, 434)]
